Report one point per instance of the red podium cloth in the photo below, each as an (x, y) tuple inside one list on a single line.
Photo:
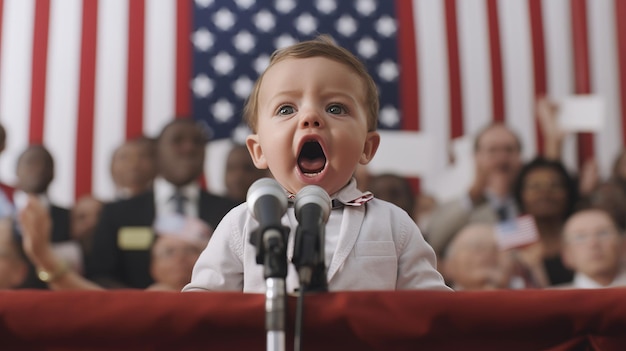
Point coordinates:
[(405, 320)]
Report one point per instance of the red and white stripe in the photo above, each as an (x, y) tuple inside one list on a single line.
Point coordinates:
[(83, 75), (508, 52)]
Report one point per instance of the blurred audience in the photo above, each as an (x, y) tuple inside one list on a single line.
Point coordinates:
[(497, 157), (84, 218), (179, 242), (474, 261), (425, 206), (124, 234), (593, 247), (546, 191), (611, 194), (610, 197), (6, 192), (553, 135), (240, 173), (35, 172), (13, 264), (395, 189), (133, 167), (618, 173), (177, 246), (135, 243)]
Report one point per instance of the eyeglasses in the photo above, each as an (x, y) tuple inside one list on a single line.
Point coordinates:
[(582, 238), (554, 186), (505, 149), (170, 252)]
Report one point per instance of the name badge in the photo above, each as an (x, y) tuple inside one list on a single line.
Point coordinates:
[(135, 238)]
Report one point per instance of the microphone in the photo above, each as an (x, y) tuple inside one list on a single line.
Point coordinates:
[(312, 209), (267, 203)]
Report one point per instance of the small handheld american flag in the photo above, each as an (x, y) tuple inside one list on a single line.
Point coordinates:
[(517, 232)]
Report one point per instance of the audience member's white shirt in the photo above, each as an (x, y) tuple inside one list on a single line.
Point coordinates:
[(582, 281), (165, 204)]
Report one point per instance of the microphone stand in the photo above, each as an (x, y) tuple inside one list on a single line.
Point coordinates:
[(308, 258), (271, 245)]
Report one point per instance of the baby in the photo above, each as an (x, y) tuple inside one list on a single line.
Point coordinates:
[(313, 115)]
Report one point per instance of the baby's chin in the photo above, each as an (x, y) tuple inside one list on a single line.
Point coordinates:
[(316, 177)]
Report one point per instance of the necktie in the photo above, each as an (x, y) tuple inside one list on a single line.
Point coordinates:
[(179, 202), (502, 213)]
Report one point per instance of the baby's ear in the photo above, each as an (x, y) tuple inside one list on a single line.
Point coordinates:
[(369, 149), (256, 152)]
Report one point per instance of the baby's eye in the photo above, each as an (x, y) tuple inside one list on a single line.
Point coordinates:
[(286, 110), (337, 109)]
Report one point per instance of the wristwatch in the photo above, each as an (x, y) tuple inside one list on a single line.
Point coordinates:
[(49, 277)]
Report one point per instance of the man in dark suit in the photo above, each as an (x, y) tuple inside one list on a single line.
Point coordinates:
[(35, 172), (124, 235)]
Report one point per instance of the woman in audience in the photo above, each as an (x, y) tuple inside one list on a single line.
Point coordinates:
[(545, 190)]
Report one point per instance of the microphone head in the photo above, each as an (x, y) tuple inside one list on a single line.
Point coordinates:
[(264, 187), (316, 195)]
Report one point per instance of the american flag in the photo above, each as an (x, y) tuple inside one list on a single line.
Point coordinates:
[(518, 232), (234, 40), (81, 76)]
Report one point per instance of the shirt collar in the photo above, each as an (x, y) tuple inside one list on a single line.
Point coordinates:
[(349, 195), (164, 190), (583, 281)]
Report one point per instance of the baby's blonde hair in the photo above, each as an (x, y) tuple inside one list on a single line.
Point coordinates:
[(322, 46)]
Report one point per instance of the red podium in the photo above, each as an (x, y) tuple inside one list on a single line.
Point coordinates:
[(404, 320)]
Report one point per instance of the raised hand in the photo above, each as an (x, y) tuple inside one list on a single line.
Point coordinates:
[(36, 225)]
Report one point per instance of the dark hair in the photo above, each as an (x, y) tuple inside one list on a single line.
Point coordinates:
[(138, 140), (406, 191), (183, 120), (38, 148), (543, 163)]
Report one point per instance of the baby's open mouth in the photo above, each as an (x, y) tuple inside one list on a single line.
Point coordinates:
[(311, 159)]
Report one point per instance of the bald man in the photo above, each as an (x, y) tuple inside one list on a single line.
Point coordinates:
[(593, 248)]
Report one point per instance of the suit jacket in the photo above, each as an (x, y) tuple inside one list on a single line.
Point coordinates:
[(379, 247), (60, 224), (114, 263)]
